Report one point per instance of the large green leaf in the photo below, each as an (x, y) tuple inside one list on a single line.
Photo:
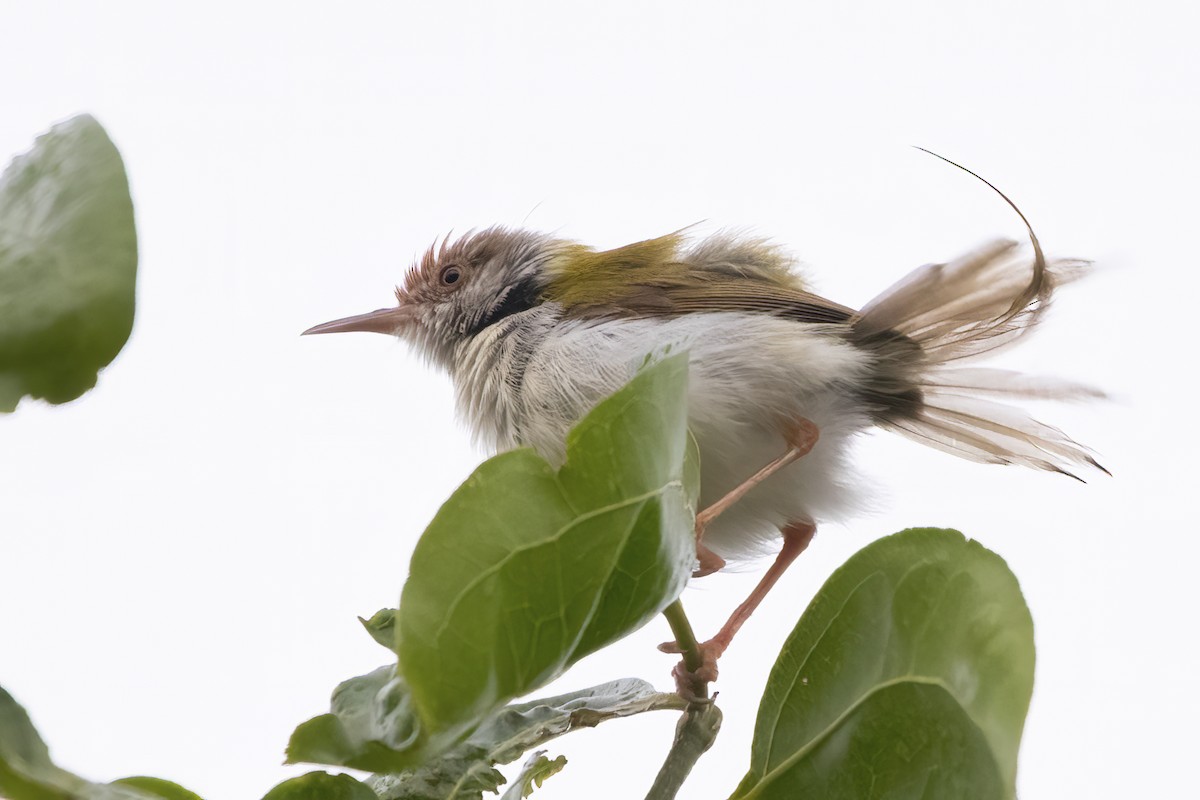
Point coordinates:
[(908, 676), (526, 569), (27, 773), (68, 260)]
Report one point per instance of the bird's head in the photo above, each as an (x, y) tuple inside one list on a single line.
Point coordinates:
[(459, 288)]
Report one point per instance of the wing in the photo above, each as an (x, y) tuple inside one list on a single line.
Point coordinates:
[(654, 278), (743, 295)]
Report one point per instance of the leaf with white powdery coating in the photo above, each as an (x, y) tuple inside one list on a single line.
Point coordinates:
[(371, 726), (526, 570), (908, 676), (68, 262), (467, 770)]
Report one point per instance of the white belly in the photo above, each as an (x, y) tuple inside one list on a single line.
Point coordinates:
[(748, 374)]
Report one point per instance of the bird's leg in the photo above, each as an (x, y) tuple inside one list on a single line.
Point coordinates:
[(796, 536), (801, 437)]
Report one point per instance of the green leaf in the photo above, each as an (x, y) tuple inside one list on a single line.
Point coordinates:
[(382, 627), (908, 676), (536, 771), (468, 769), (321, 786), (371, 726), (68, 260), (526, 570), (518, 728), (27, 773), (157, 787), (347, 737)]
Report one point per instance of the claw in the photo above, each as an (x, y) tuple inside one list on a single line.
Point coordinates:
[(709, 562), (693, 685)]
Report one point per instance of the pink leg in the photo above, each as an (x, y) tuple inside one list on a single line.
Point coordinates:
[(801, 439), (796, 537)]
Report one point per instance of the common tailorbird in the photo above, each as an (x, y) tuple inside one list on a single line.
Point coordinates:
[(535, 330)]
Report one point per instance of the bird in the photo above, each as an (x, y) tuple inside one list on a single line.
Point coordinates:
[(535, 330)]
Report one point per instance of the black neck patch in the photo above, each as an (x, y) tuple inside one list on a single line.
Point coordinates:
[(521, 296)]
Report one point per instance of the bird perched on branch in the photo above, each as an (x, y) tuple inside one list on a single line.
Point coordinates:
[(535, 330)]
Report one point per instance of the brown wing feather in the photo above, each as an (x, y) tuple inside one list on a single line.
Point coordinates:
[(721, 273), (780, 301)]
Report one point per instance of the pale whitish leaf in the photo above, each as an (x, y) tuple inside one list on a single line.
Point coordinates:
[(468, 769)]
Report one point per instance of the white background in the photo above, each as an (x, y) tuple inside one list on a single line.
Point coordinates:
[(184, 550)]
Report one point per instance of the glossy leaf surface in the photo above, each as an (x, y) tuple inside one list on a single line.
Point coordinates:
[(909, 675)]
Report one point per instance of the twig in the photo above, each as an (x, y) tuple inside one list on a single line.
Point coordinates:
[(697, 728), (689, 648)]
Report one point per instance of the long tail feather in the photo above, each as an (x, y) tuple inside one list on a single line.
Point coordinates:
[(941, 314)]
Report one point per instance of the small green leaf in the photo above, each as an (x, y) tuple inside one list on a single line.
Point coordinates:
[(371, 726), (536, 771), (382, 627), (68, 261), (321, 786), (525, 570), (908, 676), (157, 787), (27, 773)]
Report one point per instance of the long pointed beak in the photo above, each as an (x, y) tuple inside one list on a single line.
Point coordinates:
[(385, 320)]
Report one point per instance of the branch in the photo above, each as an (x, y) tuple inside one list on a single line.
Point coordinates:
[(695, 733), (701, 721), (689, 648)]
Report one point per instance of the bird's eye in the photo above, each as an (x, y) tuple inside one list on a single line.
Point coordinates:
[(451, 275)]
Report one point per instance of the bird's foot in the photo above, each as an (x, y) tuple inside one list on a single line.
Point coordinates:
[(707, 562), (692, 685)]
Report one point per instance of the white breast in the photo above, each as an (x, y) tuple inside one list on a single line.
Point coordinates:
[(748, 374)]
